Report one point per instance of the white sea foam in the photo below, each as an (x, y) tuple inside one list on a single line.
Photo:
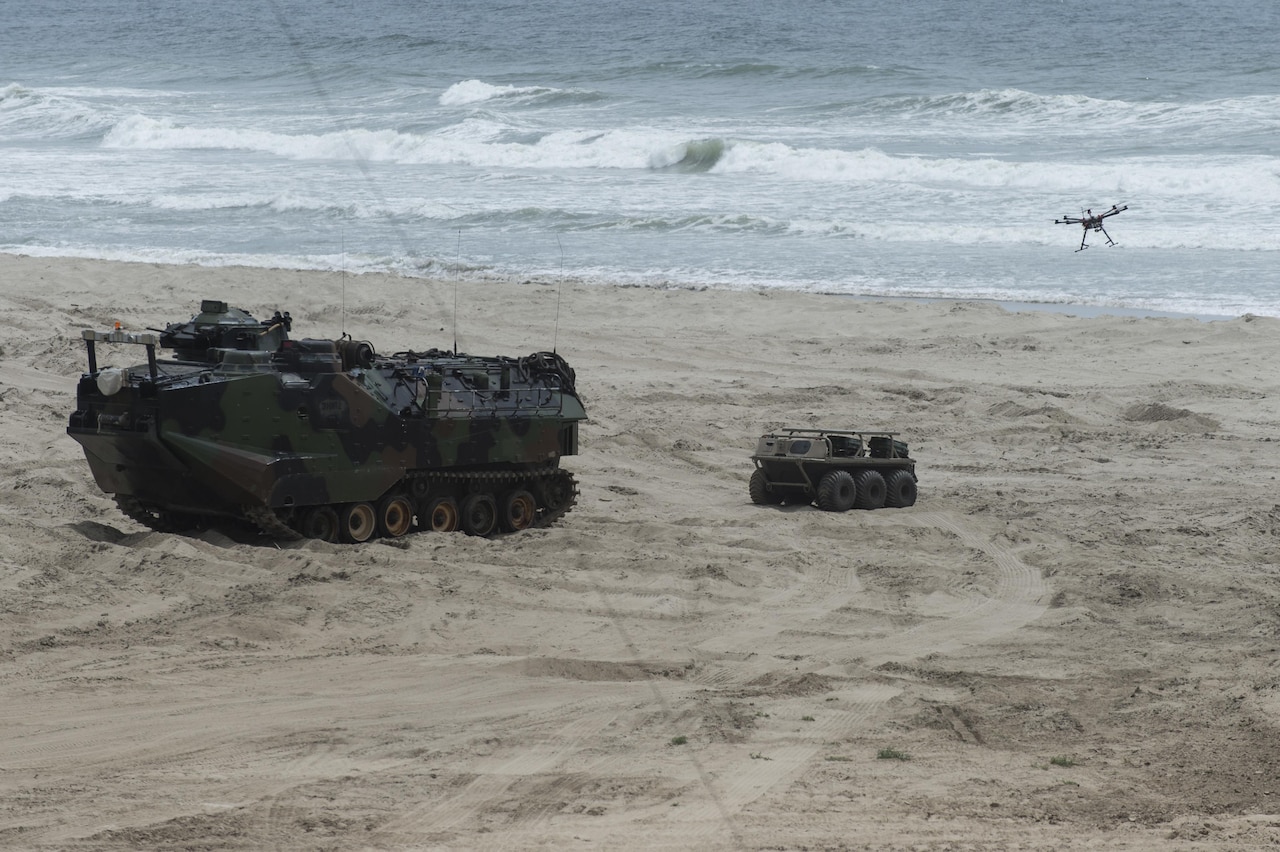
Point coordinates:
[(1253, 180), (34, 114), (468, 144), (476, 91)]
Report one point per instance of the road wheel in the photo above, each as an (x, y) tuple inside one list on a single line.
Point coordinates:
[(479, 514), (395, 515), (320, 522), (442, 515), (556, 492), (900, 489), (836, 491), (519, 510), (759, 490), (871, 489), (359, 520)]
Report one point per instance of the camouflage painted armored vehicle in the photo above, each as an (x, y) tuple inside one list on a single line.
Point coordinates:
[(836, 468), (324, 439)]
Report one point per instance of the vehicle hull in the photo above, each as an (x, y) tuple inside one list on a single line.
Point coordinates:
[(267, 435)]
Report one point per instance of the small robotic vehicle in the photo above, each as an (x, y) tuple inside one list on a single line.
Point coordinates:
[(839, 469)]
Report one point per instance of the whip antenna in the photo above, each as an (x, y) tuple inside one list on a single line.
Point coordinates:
[(555, 335), (343, 243), (457, 265), (357, 156)]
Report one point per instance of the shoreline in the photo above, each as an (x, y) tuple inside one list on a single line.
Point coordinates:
[(1065, 308), (1083, 311)]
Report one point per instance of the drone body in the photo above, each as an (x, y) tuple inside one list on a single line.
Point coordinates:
[(1088, 220)]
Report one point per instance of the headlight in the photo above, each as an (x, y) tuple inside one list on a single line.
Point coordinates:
[(110, 380)]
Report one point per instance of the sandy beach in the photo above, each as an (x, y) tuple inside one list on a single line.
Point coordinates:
[(1070, 641)]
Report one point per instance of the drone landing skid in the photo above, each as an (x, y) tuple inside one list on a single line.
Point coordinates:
[(1110, 241)]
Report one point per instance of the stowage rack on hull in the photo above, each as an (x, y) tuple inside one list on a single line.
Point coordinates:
[(325, 438)]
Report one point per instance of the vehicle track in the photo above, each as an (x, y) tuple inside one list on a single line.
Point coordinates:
[(1018, 598), (725, 779)]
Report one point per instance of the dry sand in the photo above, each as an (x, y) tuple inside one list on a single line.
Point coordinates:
[(1072, 636)]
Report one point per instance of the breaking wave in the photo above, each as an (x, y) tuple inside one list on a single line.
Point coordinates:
[(38, 114), (1251, 180), (470, 92)]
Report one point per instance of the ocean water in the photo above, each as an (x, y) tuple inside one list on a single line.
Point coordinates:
[(918, 149)]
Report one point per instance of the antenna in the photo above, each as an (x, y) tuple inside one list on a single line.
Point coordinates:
[(457, 266), (357, 156), (555, 336), (343, 324)]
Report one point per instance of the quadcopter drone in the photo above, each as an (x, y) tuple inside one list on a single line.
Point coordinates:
[(1088, 220)]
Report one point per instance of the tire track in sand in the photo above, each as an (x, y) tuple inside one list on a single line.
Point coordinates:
[(495, 778), (1017, 600), (728, 779)]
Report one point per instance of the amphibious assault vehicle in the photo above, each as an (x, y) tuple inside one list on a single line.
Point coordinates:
[(839, 469), (324, 439)]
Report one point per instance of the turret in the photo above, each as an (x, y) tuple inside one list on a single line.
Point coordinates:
[(219, 326)]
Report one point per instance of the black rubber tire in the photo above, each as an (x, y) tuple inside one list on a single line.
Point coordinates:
[(836, 491), (321, 523), (479, 514), (395, 515), (758, 487), (442, 515), (900, 489), (871, 489), (519, 510), (359, 522)]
